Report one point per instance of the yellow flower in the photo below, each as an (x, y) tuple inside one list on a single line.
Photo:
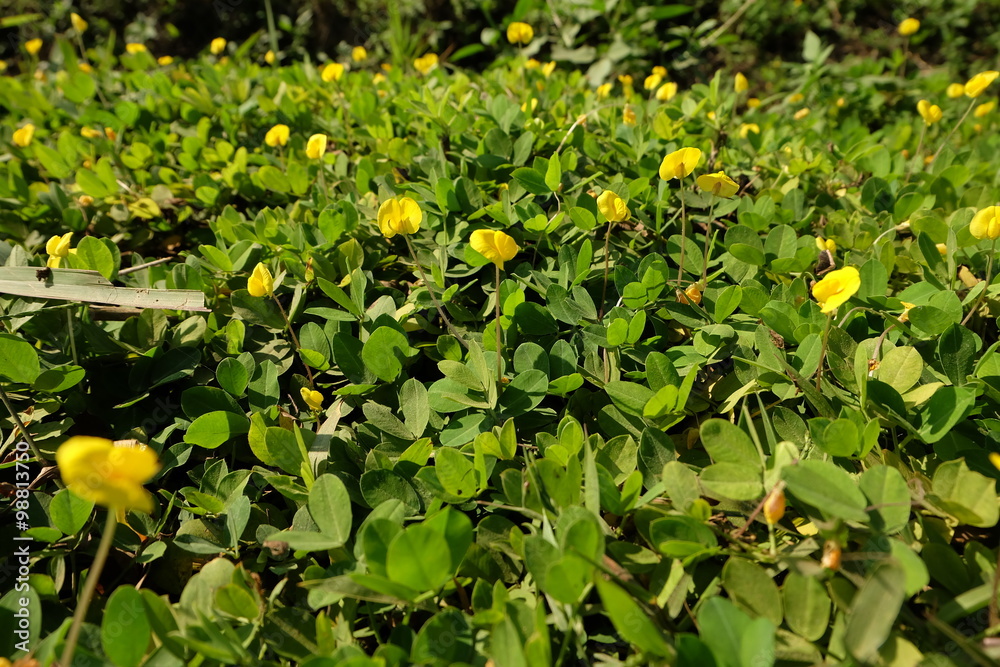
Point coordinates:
[(774, 506), (747, 128), (942, 248), (905, 316), (660, 71), (22, 136), (379, 78), (603, 90), (652, 81), (261, 282), (316, 146), (826, 244), (753, 102), (58, 247), (399, 215), (710, 115), (740, 83), (795, 98), (86, 200), (98, 471), (110, 133), (532, 64), (520, 33), (163, 61), (332, 72), (33, 46), (612, 206), (277, 135), (217, 46), (931, 113), (977, 84), (90, 133), (359, 54), (495, 246), (680, 163), (955, 90), (995, 460), (628, 116), (986, 223), (801, 113), (78, 23), (134, 48), (666, 92), (386, 67), (908, 26), (534, 104), (425, 63), (312, 398), (548, 68), (691, 295), (718, 184), (984, 108), (269, 57), (625, 80), (841, 102), (836, 288)]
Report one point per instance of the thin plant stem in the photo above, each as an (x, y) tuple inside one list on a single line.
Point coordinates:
[(916, 155), (708, 242), (822, 352), (272, 33), (437, 304), (680, 265), (957, 125), (322, 182), (607, 263), (110, 525), (295, 339), (499, 351), (72, 335), (989, 275), (20, 427)]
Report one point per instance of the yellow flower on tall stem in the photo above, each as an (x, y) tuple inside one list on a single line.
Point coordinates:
[(79, 24), (908, 27), (679, 165), (973, 88), (931, 113), (985, 225), (261, 282), (33, 46), (613, 208), (666, 92), (101, 472), (498, 247), (519, 32), (740, 82), (720, 186), (277, 135), (832, 292), (58, 249)]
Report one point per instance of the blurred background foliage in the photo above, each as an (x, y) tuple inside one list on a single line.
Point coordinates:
[(608, 36)]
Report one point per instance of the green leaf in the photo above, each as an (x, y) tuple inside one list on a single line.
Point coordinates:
[(828, 488), (735, 481), (807, 606), (52, 161), (752, 589), (957, 350), (94, 255), (384, 353), (414, 559), (456, 473), (889, 497), (216, 428), (728, 443), (68, 512), (727, 302), (55, 380), (630, 397), (943, 411), (900, 368), (965, 494), (125, 630), (531, 180), (237, 601), (631, 621), (873, 611), (330, 507), (18, 359), (232, 375), (91, 185)]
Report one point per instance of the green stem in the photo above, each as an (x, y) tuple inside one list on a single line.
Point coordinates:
[(708, 243), (295, 339), (72, 335), (437, 304), (989, 275), (20, 427), (499, 353), (822, 352), (607, 266), (957, 125), (322, 182), (272, 33), (88, 588), (680, 266)]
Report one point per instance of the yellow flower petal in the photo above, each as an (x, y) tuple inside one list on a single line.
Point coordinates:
[(519, 32), (23, 136), (359, 54), (261, 282), (908, 26), (740, 82), (316, 146), (312, 398), (495, 246), (612, 206), (986, 223), (78, 23), (680, 163), (332, 72), (217, 46), (718, 184), (33, 46), (277, 135), (98, 471), (980, 82), (836, 288)]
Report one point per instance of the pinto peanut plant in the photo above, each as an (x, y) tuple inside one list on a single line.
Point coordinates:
[(354, 364)]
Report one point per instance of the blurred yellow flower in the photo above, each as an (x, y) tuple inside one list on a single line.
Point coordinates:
[(96, 470), (261, 282), (312, 398), (90, 133), (660, 71), (163, 61), (495, 246), (217, 46), (753, 102), (747, 128), (931, 113), (986, 223), (110, 133), (718, 184), (666, 92), (134, 48), (603, 90), (548, 68), (316, 146), (995, 460), (359, 54), (908, 26), (984, 108), (399, 215), (942, 248), (612, 206), (269, 57), (980, 82), (85, 200), (710, 115), (795, 98), (425, 63), (628, 116), (277, 135), (332, 72), (955, 90), (625, 80), (378, 78), (680, 163), (23, 136), (740, 83), (801, 113), (836, 288), (520, 33), (33, 46), (78, 23), (532, 64), (58, 247), (533, 104), (652, 81), (826, 244)]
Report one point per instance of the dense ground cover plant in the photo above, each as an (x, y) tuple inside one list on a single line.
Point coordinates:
[(518, 367)]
